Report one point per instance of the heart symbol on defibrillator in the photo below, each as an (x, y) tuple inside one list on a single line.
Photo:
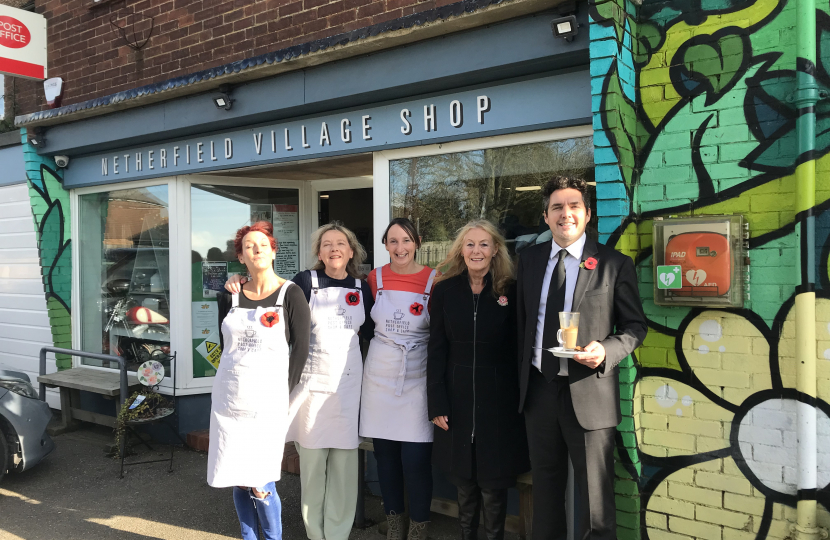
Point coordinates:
[(696, 277), (667, 279)]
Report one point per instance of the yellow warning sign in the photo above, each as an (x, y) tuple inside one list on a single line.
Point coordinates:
[(211, 350)]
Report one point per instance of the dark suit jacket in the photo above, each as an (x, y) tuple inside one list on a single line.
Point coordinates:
[(611, 312)]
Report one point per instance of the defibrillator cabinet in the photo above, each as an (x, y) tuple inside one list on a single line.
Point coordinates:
[(699, 261)]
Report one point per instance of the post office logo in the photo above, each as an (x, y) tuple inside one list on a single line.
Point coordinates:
[(13, 33)]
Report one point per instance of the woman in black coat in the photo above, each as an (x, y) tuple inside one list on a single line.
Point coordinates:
[(472, 378)]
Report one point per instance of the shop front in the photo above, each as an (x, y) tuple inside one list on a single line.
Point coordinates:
[(153, 225)]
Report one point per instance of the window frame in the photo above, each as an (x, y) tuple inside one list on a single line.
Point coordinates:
[(383, 209), (200, 385), (166, 386)]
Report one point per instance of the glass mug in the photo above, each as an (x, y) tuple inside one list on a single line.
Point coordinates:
[(568, 330)]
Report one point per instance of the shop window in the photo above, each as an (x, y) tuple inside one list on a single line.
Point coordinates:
[(124, 274), (440, 193), (217, 213)]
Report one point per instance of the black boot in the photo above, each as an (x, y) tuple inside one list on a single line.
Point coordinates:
[(469, 506), (495, 512)]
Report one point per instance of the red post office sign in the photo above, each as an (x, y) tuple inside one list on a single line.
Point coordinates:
[(22, 43)]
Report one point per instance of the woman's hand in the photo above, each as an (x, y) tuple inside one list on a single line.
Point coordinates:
[(234, 283), (442, 422)]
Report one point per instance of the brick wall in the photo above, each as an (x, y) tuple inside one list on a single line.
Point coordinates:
[(691, 116), (188, 36)]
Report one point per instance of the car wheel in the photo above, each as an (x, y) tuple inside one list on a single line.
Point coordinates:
[(4, 454)]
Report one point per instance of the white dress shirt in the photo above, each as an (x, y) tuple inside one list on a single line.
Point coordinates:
[(572, 260)]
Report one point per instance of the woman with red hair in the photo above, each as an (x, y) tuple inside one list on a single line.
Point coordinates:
[(265, 337)]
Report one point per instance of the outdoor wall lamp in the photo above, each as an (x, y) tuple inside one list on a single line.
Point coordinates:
[(36, 138), (565, 27), (224, 99)]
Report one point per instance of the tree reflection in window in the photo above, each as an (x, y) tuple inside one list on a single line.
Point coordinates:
[(441, 193)]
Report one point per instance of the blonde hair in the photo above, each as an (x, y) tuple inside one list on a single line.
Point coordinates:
[(358, 256), (501, 266)]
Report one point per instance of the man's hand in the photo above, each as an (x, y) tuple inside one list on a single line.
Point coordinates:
[(442, 422), (593, 356), (234, 283)]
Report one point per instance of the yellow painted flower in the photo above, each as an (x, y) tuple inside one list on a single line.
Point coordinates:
[(717, 438)]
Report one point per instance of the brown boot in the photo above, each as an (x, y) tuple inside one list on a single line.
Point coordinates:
[(418, 531), (396, 530)]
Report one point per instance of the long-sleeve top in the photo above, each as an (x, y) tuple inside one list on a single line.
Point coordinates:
[(297, 331)]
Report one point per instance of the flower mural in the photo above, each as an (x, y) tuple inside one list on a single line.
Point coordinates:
[(693, 115), (717, 431)]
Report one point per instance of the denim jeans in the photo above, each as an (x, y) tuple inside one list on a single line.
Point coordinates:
[(409, 463), (254, 512)]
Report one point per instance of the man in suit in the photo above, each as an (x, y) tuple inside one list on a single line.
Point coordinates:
[(572, 406)]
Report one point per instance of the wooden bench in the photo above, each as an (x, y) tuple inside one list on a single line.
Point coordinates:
[(520, 524), (72, 381)]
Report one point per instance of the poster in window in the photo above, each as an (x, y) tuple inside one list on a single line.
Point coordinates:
[(260, 212), (214, 276), (286, 220)]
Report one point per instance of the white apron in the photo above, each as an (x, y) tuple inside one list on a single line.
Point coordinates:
[(394, 399), (325, 405), (249, 408)]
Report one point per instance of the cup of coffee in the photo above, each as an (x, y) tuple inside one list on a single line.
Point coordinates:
[(568, 330)]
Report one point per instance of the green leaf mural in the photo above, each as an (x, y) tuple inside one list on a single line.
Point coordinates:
[(50, 204)]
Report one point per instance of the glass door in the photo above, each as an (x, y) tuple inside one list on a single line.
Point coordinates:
[(217, 212), (349, 201)]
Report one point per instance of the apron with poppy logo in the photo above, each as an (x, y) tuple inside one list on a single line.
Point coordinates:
[(325, 405), (394, 400), (249, 401)]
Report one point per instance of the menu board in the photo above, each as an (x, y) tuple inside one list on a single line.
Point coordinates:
[(286, 220)]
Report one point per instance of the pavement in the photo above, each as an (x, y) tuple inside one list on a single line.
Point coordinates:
[(75, 493)]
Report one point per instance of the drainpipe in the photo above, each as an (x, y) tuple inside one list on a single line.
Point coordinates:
[(806, 97)]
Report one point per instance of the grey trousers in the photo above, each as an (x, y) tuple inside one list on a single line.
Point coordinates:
[(329, 482)]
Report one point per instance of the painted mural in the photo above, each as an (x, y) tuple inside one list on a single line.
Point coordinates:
[(50, 209), (693, 114)]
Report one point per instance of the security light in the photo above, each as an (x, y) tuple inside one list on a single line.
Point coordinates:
[(36, 138), (565, 27), (224, 100)]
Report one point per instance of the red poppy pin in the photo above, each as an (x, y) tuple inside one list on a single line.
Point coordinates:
[(502, 301), (269, 318), (590, 263), (353, 298), (416, 308)]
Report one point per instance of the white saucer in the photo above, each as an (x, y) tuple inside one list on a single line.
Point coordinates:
[(559, 352)]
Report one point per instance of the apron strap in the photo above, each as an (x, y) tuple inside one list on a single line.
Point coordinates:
[(379, 275), (315, 283), (235, 300), (429, 283), (281, 296), (357, 284)]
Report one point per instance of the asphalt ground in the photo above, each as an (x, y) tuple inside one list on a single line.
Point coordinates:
[(75, 493)]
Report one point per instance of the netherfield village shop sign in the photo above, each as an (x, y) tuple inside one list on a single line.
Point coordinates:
[(517, 106), (201, 154)]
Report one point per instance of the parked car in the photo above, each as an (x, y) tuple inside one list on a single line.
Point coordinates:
[(23, 419)]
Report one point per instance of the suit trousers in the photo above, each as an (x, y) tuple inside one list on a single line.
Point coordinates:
[(329, 489), (554, 433)]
